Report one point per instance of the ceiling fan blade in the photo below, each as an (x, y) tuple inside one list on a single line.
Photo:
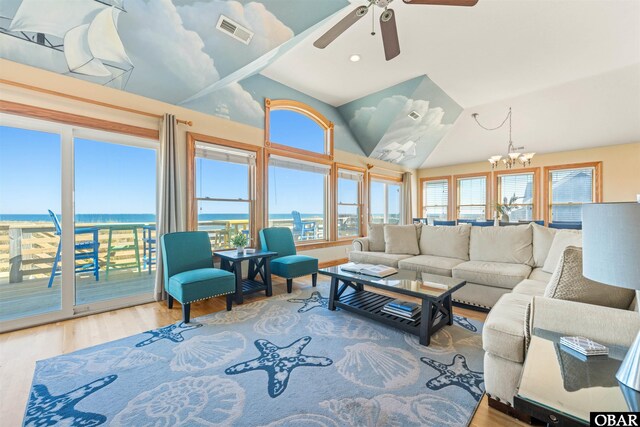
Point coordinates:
[(389, 34), (443, 2), (344, 24)]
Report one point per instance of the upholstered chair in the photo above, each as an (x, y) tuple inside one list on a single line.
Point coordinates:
[(189, 274), (288, 263)]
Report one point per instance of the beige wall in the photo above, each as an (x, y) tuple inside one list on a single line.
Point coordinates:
[(620, 168), (202, 123)]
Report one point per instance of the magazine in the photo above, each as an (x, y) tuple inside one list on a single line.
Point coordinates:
[(369, 269)]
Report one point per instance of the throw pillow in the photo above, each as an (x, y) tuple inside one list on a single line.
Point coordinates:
[(561, 240), (542, 240), (568, 283), (445, 241), (401, 239), (376, 237), (513, 244)]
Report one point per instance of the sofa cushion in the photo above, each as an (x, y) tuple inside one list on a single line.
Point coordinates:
[(430, 264), (401, 239), (502, 244), (533, 288), (542, 239), (540, 275), (561, 240), (377, 258), (376, 237), (498, 274), (568, 283), (445, 241), (503, 331)]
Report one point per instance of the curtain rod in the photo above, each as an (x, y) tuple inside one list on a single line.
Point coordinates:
[(90, 101), (370, 166)]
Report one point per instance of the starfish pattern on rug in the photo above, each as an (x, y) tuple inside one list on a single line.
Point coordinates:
[(46, 410), (315, 300), (457, 373), (279, 362), (464, 322), (172, 332)]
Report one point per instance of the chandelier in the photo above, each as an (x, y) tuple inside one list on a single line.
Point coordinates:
[(514, 154)]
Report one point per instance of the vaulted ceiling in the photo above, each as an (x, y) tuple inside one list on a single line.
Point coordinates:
[(558, 63)]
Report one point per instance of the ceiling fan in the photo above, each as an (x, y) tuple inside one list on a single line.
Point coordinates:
[(387, 23)]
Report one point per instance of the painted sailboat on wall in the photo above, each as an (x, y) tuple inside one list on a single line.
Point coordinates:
[(77, 37)]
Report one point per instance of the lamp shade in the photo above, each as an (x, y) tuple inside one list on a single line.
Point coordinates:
[(611, 243)]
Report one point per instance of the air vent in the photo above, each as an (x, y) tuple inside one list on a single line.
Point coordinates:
[(414, 115), (233, 29)]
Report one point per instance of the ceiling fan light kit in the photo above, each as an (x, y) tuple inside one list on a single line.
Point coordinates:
[(388, 26), (513, 156)]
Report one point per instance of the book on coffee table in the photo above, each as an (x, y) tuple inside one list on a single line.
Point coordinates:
[(369, 269), (584, 346), (412, 316)]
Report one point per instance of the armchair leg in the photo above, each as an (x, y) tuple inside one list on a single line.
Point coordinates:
[(169, 301), (314, 279), (289, 285), (186, 312), (229, 301)]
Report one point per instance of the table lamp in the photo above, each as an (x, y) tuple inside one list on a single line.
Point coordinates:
[(611, 255)]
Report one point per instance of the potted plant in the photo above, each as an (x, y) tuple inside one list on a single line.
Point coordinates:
[(240, 240), (505, 208)]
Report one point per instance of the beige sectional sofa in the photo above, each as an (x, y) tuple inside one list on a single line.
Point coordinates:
[(492, 260), (530, 276)]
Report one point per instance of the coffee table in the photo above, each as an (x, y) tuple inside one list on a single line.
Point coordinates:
[(436, 301)]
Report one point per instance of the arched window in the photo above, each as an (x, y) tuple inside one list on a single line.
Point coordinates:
[(294, 126)]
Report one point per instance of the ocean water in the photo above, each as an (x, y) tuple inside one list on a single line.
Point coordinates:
[(129, 218)]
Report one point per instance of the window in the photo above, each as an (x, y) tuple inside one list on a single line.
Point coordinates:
[(297, 197), (435, 198), (224, 193), (349, 202), (569, 187), (299, 143), (516, 191), (294, 126), (384, 200), (472, 197)]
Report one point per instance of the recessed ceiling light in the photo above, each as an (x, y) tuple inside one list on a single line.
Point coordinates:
[(354, 58)]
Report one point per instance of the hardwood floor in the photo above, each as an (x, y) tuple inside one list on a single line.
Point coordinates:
[(19, 350)]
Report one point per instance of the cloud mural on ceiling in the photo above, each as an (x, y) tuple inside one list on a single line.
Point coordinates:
[(404, 123), (164, 49), (170, 50)]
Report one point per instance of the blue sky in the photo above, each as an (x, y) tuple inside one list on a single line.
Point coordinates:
[(109, 178), (119, 179)]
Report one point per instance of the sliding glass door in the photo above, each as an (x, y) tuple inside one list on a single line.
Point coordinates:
[(101, 186), (115, 217)]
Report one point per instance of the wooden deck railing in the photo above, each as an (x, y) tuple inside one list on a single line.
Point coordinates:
[(28, 250)]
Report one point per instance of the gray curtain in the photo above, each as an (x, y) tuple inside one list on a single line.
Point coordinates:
[(407, 212), (169, 211)]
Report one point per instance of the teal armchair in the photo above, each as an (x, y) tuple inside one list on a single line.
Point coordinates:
[(288, 263), (189, 274)]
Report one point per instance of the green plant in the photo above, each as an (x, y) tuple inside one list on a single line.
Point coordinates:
[(507, 206), (240, 240)]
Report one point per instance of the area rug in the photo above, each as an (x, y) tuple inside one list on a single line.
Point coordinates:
[(283, 361)]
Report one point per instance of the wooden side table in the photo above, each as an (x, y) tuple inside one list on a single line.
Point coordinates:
[(258, 265)]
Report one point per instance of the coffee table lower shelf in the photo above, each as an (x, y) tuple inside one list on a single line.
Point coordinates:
[(370, 304)]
